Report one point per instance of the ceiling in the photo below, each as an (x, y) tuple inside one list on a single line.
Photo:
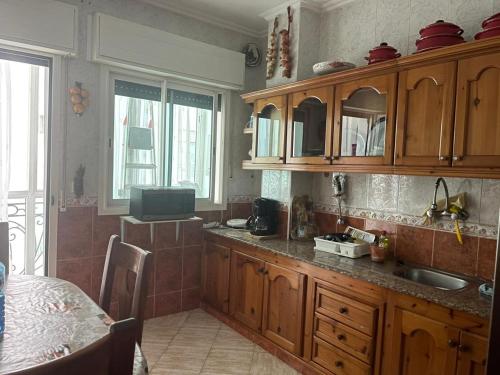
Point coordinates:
[(244, 16)]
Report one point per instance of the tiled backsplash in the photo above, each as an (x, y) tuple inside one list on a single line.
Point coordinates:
[(404, 199)]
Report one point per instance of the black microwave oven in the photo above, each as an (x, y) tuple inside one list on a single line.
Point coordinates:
[(161, 203)]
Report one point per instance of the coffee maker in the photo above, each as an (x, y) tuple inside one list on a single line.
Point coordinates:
[(264, 219)]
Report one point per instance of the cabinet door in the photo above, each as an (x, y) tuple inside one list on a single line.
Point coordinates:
[(422, 346), (364, 121), (215, 276), (310, 126), (424, 125), (472, 354), (269, 130), (283, 311), (477, 124), (246, 288)]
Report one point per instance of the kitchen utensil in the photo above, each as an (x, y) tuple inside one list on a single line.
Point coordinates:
[(383, 52), (493, 21), (440, 27), (488, 33), (438, 40), (237, 223), (326, 67)]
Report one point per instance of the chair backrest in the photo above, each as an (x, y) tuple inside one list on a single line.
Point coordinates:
[(123, 261), (111, 355), (4, 244)]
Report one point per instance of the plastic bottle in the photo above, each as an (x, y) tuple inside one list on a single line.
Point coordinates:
[(2, 298), (383, 241)]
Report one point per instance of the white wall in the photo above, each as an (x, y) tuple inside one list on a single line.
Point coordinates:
[(83, 132), (349, 32)]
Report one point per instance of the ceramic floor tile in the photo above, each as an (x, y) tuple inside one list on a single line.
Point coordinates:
[(267, 364), (194, 342), (230, 339), (182, 358), (227, 361)]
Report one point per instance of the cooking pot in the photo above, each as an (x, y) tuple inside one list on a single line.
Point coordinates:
[(440, 27), (436, 41), (488, 33), (492, 22), (381, 53)]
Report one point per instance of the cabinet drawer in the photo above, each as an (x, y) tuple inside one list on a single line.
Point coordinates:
[(337, 361), (349, 340), (355, 314)]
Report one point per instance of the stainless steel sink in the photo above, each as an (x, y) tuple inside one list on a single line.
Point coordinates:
[(436, 279)]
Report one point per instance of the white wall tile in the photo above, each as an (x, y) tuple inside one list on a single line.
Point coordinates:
[(490, 202), (383, 192)]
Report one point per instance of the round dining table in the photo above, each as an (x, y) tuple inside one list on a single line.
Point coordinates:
[(47, 318)]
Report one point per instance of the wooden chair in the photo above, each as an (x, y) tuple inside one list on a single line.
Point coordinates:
[(4, 245), (122, 261), (111, 355)]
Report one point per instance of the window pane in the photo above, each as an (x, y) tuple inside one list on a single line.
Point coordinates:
[(136, 137), (190, 140)]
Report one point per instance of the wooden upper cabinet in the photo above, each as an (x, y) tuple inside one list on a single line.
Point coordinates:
[(215, 276), (269, 130), (309, 129), (425, 109), (477, 123), (246, 289), (472, 353), (364, 121), (422, 346), (283, 310)]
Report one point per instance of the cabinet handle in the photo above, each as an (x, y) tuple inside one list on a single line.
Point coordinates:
[(327, 158), (341, 337), (260, 270), (458, 158), (463, 348), (334, 158), (343, 310), (442, 158), (339, 364), (452, 343), (281, 158), (252, 310)]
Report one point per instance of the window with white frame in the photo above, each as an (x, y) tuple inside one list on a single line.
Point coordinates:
[(162, 133)]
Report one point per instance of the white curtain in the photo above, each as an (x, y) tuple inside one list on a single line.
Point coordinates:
[(5, 124)]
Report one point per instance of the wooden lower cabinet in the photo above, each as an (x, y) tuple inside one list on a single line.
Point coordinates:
[(422, 345), (337, 361), (283, 311), (472, 353), (246, 289), (215, 276)]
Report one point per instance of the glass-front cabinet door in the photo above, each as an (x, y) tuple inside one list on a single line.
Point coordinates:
[(309, 133), (364, 121), (269, 130)]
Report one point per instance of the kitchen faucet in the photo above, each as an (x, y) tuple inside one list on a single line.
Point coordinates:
[(433, 211)]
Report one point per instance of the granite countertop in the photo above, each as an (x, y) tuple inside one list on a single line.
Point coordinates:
[(467, 300)]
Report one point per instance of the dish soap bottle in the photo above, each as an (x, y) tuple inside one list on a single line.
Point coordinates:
[(2, 299)]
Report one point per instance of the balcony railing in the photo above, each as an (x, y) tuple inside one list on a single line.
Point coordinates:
[(26, 235)]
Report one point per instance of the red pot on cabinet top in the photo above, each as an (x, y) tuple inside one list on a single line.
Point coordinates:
[(492, 22), (381, 53), (440, 27), (436, 41), (488, 33)]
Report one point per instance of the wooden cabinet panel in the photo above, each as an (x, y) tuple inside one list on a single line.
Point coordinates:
[(422, 345), (477, 125), (364, 121), (246, 289), (346, 310), (283, 310), (349, 340), (337, 361), (215, 276), (472, 354), (269, 130), (425, 106), (310, 126)]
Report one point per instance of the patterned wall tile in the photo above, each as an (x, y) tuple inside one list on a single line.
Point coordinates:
[(490, 202), (383, 192)]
